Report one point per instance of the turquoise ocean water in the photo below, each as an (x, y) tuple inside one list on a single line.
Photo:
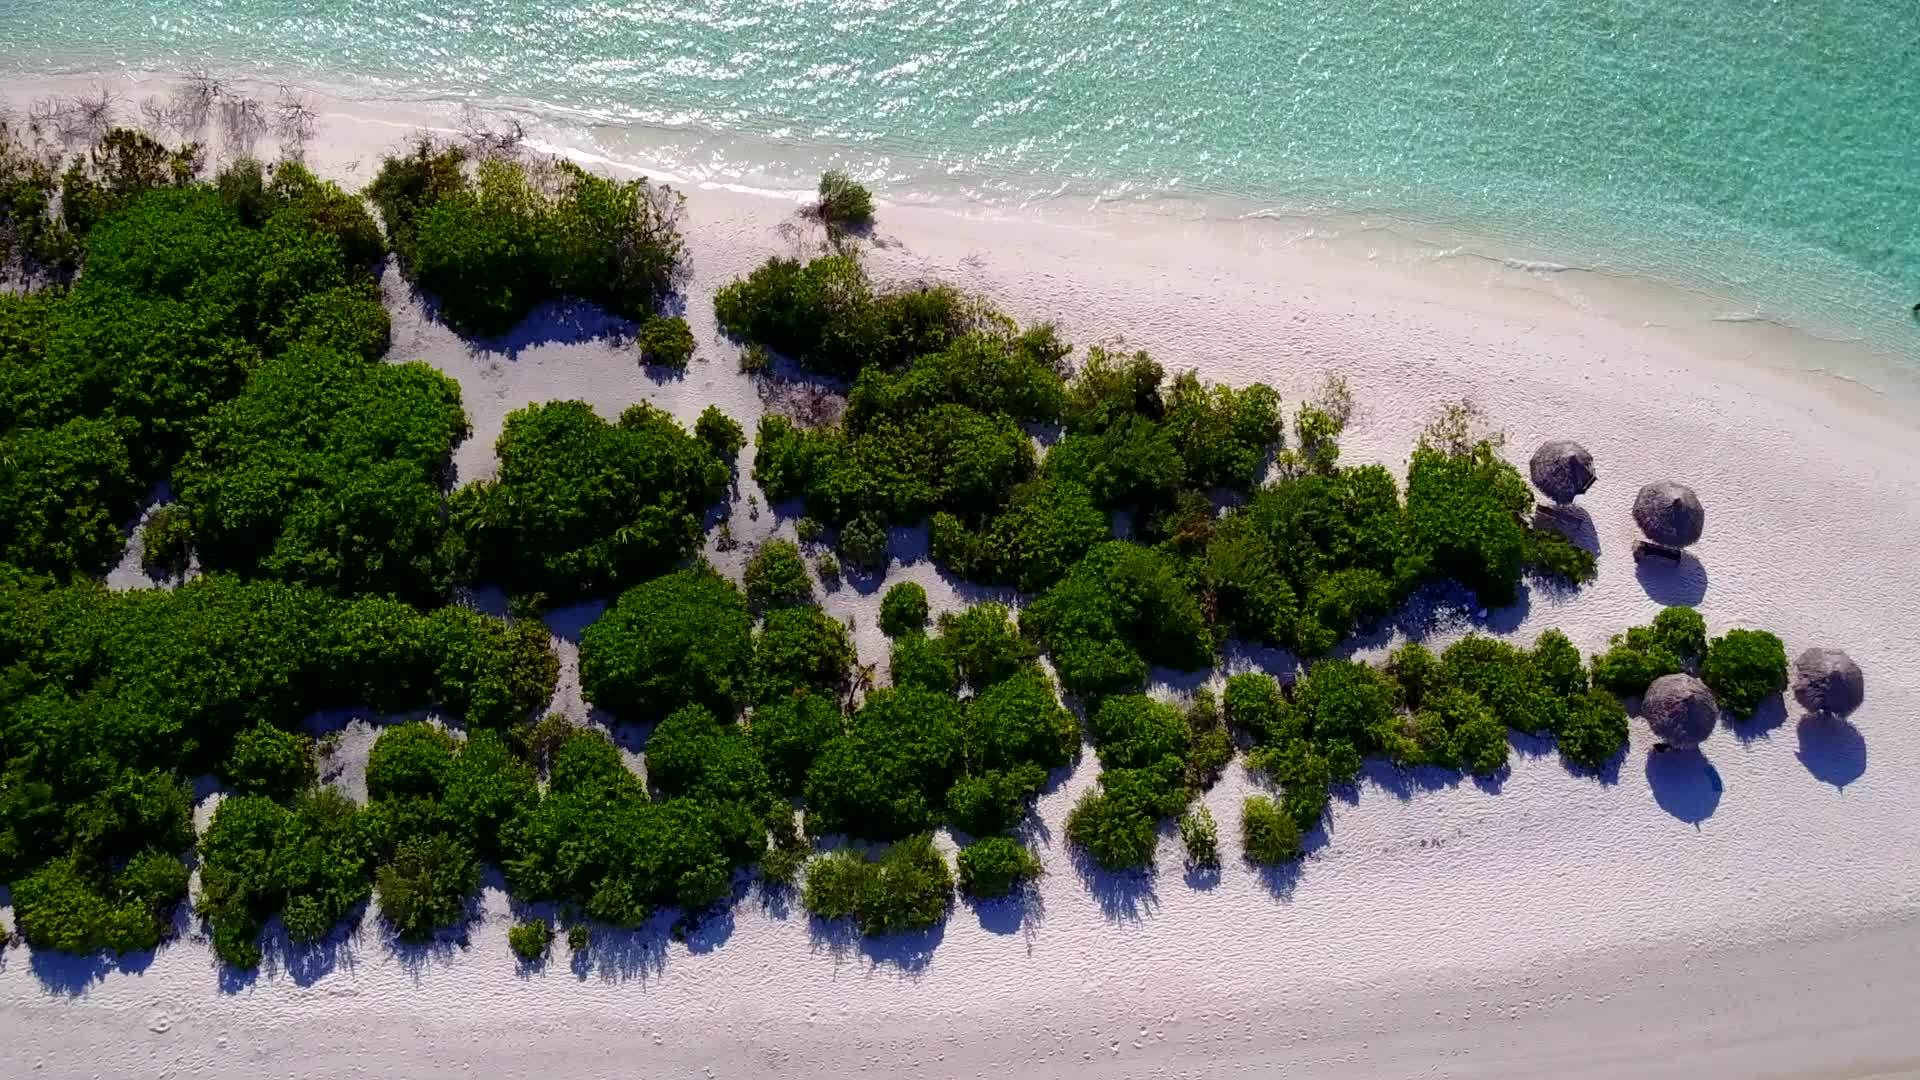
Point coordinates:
[(1768, 151)]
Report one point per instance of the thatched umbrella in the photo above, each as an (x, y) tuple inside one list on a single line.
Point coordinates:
[(1669, 513), (1562, 468), (1680, 710), (1828, 681)]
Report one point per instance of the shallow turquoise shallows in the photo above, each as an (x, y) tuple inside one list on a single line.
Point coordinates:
[(1770, 151)]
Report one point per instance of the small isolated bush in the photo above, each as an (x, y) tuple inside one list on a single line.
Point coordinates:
[(836, 883), (996, 866), (531, 939), (721, 433), (166, 541), (776, 577), (666, 341), (844, 203), (410, 760), (1744, 668), (1201, 837), (426, 884), (808, 529), (268, 761), (903, 610), (1268, 835), (827, 567), (579, 938), (863, 541)]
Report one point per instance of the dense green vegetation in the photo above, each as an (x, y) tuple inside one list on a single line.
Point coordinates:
[(844, 202), (492, 239), (907, 888)]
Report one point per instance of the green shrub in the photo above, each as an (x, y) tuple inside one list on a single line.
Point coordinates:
[(827, 567), (488, 790), (1201, 837), (426, 885), (994, 801), (311, 863), (1744, 668), (863, 541), (692, 753), (166, 541), (63, 495), (1508, 680), (844, 203), (825, 315), (1118, 610), (1269, 836), (800, 648), (65, 907), (1223, 435), (1595, 729), (836, 883), (579, 938), (266, 760), (776, 577), (666, 341), (1414, 669), (686, 638), (1675, 641), (924, 662), (995, 866), (582, 506), (409, 760), (531, 939), (1254, 705), (1304, 777), (790, 732), (885, 777), (903, 609), (1018, 720), (1047, 527), (1344, 700), (985, 645), (907, 888), (1132, 730), (721, 434), (780, 867)]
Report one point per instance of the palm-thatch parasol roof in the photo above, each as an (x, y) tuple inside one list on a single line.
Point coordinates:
[(1669, 513), (1562, 469), (1681, 710), (1828, 681)]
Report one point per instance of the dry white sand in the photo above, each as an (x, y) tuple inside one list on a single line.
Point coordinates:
[(1754, 917)]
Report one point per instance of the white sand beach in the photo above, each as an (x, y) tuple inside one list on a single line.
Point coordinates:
[(1758, 916)]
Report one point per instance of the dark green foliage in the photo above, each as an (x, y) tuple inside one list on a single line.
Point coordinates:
[(903, 609), (1476, 740), (800, 648), (1118, 829), (487, 789), (1344, 700), (1254, 705), (995, 866), (1017, 720), (827, 566), (1414, 669), (790, 732), (1744, 668), (864, 542), (310, 863), (166, 541), (1304, 776), (907, 888), (117, 170), (825, 315), (68, 907), (492, 245), (410, 760), (1520, 692), (992, 371), (266, 760), (1595, 729), (1223, 435), (531, 939), (985, 645), (33, 239), (885, 777), (1120, 609), (427, 884), (63, 493), (918, 660), (1675, 642), (691, 753), (583, 506), (682, 639), (721, 434), (844, 203), (994, 801), (1047, 527), (666, 341), (326, 470), (1133, 731), (776, 577), (1268, 835)]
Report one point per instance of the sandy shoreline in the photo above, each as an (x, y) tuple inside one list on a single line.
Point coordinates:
[(1759, 919)]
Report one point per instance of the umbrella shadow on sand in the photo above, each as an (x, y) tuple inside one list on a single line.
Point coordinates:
[(1685, 784), (1832, 749)]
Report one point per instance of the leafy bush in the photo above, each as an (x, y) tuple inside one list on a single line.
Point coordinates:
[(582, 506), (686, 638), (266, 760), (844, 203), (492, 245), (1254, 705), (995, 866), (864, 542), (985, 645), (531, 939), (1118, 610), (1675, 641), (666, 341), (691, 753), (1222, 435), (884, 778), (1047, 527), (1595, 729), (800, 648), (1017, 720), (326, 470), (166, 541), (1119, 833), (903, 609), (1201, 837), (63, 495), (721, 434), (68, 907), (410, 760), (776, 577), (907, 888), (825, 315), (487, 791), (790, 732), (1268, 835), (311, 863), (427, 884), (1744, 668), (994, 801), (925, 662)]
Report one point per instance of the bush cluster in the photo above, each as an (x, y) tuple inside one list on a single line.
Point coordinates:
[(1675, 642), (1153, 759), (909, 887), (1118, 611), (492, 239), (581, 506), (995, 866), (826, 316)]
